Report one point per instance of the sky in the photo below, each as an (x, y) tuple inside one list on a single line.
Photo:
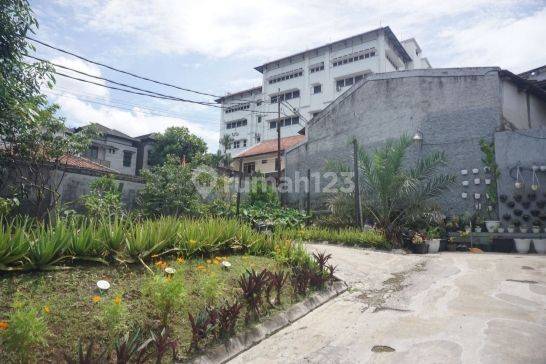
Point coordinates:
[(213, 47)]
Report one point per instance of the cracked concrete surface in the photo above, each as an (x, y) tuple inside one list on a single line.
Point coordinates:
[(442, 308)]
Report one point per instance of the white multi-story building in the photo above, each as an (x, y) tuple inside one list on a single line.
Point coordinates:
[(306, 82)]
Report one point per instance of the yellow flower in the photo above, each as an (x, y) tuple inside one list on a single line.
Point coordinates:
[(209, 261), (4, 325), (180, 260), (95, 299), (192, 242), (200, 267), (117, 300), (47, 309)]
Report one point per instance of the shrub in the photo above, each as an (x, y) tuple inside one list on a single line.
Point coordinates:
[(166, 294), (252, 285), (262, 193), (365, 238), (85, 243), (113, 315), (13, 243), (202, 326), (209, 287), (104, 199), (26, 333), (274, 215), (227, 318), (47, 246), (130, 347)]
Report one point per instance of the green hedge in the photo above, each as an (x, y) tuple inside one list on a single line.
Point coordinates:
[(366, 238)]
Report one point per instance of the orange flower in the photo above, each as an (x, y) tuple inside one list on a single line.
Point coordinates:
[(161, 264), (95, 299), (180, 260), (46, 309), (201, 267), (4, 325), (209, 261), (117, 300)]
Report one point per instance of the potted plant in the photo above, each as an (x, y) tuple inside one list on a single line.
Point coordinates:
[(518, 212), (511, 204), (541, 204), (503, 198), (506, 217), (465, 221), (478, 223), (536, 228), (540, 244), (511, 228), (522, 245), (451, 245), (419, 244), (500, 230), (518, 197), (524, 229), (433, 239)]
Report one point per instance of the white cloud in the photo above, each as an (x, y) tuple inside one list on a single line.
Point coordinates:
[(478, 30), (64, 83)]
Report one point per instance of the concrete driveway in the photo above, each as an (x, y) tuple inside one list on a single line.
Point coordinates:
[(442, 308)]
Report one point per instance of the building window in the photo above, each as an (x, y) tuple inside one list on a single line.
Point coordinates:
[(239, 144), (236, 124), (264, 161), (93, 153), (258, 138), (285, 96), (316, 67), (259, 119), (237, 107), (249, 168), (127, 158), (317, 89), (259, 103), (286, 76), (292, 120), (353, 57), (348, 81)]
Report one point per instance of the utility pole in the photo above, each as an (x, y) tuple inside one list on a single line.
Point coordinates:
[(358, 206), (278, 137), (239, 186)]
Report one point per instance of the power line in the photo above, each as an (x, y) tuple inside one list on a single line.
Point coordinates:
[(154, 95), (112, 81), (117, 69), (145, 110)]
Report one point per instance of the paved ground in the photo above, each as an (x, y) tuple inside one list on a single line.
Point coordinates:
[(442, 308)]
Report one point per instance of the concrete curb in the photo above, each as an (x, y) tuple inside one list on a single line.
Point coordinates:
[(253, 336)]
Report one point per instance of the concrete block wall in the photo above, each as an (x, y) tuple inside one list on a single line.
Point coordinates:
[(524, 148), (453, 109)]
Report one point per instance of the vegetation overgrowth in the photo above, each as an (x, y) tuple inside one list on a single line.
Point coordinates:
[(371, 238)]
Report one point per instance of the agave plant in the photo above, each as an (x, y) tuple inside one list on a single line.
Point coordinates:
[(394, 194), (111, 232), (85, 244), (47, 246), (13, 244), (146, 239)]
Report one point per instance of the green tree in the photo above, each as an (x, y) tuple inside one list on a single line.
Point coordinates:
[(33, 138), (225, 142), (169, 190), (179, 142), (395, 193)]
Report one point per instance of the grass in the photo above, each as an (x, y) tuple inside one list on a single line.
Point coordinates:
[(67, 296)]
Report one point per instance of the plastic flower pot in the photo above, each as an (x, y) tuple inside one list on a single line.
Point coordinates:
[(420, 248), (522, 245), (492, 225), (540, 246), (433, 245)]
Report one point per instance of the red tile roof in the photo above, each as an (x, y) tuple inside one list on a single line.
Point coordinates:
[(81, 162), (270, 146)]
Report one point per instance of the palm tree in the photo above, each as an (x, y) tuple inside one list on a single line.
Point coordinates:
[(225, 141), (395, 194)]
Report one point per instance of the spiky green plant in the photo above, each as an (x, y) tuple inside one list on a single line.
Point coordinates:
[(112, 233), (48, 246), (85, 243), (13, 244), (395, 192)]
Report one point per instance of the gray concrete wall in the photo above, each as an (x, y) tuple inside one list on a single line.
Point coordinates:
[(524, 148), (453, 108), (75, 184)]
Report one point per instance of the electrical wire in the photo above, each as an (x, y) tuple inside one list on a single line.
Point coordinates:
[(109, 80), (117, 69)]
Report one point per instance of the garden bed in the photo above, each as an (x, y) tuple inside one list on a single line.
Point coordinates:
[(74, 309)]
